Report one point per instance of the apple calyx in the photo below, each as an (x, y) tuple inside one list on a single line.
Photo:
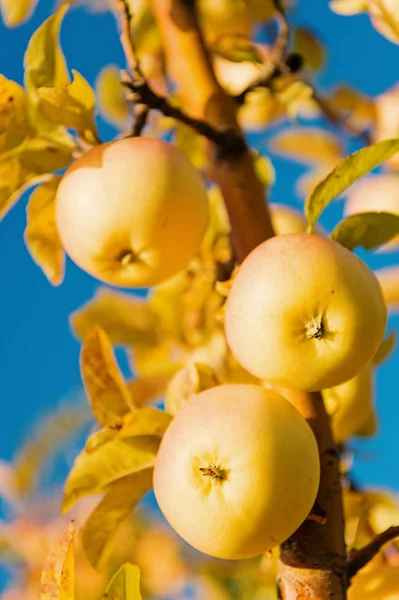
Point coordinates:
[(314, 329), (214, 472), (127, 257)]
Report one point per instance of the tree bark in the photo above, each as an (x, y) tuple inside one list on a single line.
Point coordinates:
[(201, 95), (313, 560)]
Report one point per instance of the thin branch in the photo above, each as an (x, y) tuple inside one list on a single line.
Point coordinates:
[(132, 62), (336, 118), (127, 42), (360, 558), (279, 64), (281, 43), (229, 142)]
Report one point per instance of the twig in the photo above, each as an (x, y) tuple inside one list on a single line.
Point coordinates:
[(127, 43), (281, 63), (337, 119), (229, 142), (132, 62), (360, 558), (280, 45)]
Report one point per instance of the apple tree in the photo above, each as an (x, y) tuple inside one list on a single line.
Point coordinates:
[(253, 354)]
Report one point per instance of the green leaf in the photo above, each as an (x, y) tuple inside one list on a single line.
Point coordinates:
[(104, 384), (386, 348), (93, 472), (125, 585), (117, 504), (71, 105), (41, 234), (16, 12), (368, 229), (44, 61), (348, 170)]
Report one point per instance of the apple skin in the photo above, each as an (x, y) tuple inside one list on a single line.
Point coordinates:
[(268, 464), (304, 313), (132, 213), (376, 193)]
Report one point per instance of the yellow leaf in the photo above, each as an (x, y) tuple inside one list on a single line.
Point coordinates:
[(348, 170), (100, 529), (125, 318), (261, 109), (111, 97), (71, 105), (40, 154), (389, 280), (310, 48), (145, 421), (236, 47), (348, 7), (93, 472), (8, 199), (58, 575), (104, 384), (41, 234), (13, 115), (16, 12), (45, 440), (191, 144), (368, 229), (353, 105), (144, 390), (310, 146), (296, 97), (188, 382), (386, 348), (44, 61), (264, 169), (125, 585), (384, 15)]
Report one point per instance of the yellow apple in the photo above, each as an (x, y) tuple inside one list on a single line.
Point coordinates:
[(380, 583), (304, 313), (132, 213), (376, 193), (237, 471), (351, 406)]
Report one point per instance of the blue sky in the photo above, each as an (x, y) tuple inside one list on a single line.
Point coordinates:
[(38, 355)]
